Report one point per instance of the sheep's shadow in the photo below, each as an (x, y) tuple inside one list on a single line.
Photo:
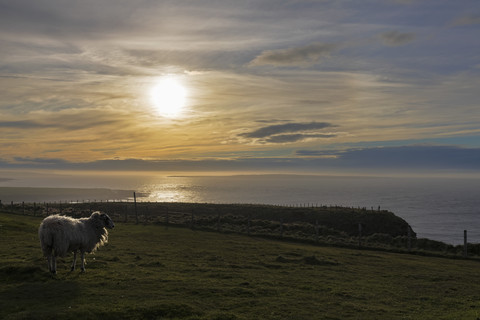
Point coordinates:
[(28, 289)]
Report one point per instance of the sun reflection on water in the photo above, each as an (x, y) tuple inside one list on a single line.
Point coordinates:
[(171, 192)]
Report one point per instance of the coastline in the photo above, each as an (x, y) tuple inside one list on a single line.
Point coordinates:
[(39, 194)]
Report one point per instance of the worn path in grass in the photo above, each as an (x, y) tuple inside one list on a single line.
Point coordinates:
[(149, 272)]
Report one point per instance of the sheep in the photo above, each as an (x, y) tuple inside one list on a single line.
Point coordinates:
[(60, 235)]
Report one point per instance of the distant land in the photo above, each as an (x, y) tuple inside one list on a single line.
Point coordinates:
[(28, 194)]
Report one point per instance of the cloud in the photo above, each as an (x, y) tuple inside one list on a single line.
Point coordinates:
[(289, 132), (316, 153), (467, 20), (68, 120), (413, 157), (389, 160), (306, 55), (22, 124), (286, 128), (40, 161), (288, 138), (395, 38)]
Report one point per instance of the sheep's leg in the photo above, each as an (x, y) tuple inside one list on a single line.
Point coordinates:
[(54, 264), (83, 261), (74, 260), (49, 262)]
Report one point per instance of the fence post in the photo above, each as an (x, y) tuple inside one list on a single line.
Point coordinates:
[(135, 204), (167, 218), (359, 234), (281, 227), (465, 253), (409, 239)]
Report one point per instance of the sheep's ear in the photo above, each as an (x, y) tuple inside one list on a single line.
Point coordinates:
[(96, 214)]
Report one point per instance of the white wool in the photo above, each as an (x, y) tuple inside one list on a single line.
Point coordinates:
[(60, 235)]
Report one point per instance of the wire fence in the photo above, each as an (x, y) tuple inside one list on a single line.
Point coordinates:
[(294, 223)]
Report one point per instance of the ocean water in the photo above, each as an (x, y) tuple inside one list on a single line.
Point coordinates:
[(436, 208)]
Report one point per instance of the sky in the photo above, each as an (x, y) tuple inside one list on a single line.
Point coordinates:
[(269, 86)]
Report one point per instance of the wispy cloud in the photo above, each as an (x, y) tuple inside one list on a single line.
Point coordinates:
[(289, 132), (396, 38), (40, 161), (298, 56), (289, 138), (387, 160), (284, 128), (467, 20), (318, 153), (403, 157), (22, 124)]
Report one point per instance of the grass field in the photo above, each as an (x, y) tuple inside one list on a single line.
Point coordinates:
[(150, 272)]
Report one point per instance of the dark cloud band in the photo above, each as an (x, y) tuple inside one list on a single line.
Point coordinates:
[(286, 128)]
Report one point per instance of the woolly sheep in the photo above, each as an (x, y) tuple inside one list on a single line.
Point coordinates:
[(60, 235)]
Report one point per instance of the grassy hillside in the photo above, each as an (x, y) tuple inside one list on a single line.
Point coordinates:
[(338, 224), (151, 272), (328, 225)]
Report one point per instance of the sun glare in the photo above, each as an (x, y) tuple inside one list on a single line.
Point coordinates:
[(169, 97)]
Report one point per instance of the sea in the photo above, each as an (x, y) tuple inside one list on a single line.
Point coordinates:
[(436, 208)]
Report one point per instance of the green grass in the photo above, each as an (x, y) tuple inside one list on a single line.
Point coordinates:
[(150, 272)]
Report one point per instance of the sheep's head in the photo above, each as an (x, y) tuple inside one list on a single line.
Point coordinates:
[(104, 219), (108, 222)]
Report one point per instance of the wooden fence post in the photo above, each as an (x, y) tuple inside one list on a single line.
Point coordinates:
[(167, 218), (281, 227), (359, 234), (465, 246), (145, 214), (409, 239), (135, 204)]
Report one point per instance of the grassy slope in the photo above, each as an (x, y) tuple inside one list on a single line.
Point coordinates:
[(154, 273)]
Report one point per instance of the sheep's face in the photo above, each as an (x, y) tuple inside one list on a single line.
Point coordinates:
[(107, 221)]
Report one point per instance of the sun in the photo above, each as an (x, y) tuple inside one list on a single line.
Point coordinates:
[(169, 97)]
